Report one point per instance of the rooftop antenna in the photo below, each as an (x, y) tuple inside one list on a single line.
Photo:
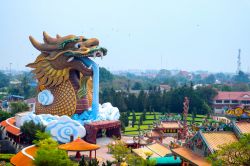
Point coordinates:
[(238, 63)]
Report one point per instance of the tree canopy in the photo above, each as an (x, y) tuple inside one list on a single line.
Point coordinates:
[(241, 77), (17, 107), (49, 154), (30, 129), (172, 101), (4, 80)]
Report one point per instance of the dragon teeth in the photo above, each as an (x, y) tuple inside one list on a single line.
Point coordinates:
[(101, 54)]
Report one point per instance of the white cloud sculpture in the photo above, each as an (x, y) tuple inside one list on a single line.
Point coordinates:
[(44, 119), (60, 128), (64, 127), (45, 97), (108, 112)]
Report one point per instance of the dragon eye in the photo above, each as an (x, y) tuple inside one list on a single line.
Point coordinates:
[(77, 45)]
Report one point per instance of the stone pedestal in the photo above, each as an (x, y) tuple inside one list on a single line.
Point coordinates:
[(113, 128)]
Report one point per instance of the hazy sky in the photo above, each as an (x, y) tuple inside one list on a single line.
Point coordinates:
[(139, 34)]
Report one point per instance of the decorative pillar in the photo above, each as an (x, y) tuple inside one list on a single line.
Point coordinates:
[(90, 155)]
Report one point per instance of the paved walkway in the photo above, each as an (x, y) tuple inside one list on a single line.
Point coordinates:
[(102, 153)]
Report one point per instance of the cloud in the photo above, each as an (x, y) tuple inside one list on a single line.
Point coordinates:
[(60, 128), (64, 127), (108, 112)]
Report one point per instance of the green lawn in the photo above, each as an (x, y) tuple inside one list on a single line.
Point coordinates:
[(142, 127), (131, 133), (150, 119), (152, 116), (196, 119)]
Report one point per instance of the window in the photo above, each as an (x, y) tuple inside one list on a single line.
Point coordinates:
[(226, 101), (244, 101), (234, 101), (218, 101)]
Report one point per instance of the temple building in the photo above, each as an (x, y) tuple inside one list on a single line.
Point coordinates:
[(228, 100), (204, 143), (10, 130)]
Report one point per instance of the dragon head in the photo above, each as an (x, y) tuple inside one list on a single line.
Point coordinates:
[(60, 56)]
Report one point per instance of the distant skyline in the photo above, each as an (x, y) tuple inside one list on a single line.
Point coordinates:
[(188, 35)]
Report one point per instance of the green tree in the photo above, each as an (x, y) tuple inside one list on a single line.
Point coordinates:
[(141, 101), (141, 120), (133, 118), (119, 151), (210, 79), (105, 75), (48, 154), (27, 90), (17, 107), (4, 80), (237, 153), (154, 114), (144, 114), (118, 101), (30, 129), (137, 86), (207, 93), (88, 162), (40, 136), (131, 102), (4, 115), (193, 116), (241, 78), (207, 109), (124, 120)]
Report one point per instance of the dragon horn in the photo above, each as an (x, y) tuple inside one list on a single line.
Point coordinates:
[(48, 39), (42, 47)]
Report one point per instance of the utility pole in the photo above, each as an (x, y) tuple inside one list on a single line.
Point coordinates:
[(238, 63)]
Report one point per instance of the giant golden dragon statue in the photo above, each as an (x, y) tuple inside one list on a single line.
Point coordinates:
[(65, 74)]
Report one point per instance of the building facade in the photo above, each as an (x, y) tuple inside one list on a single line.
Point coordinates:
[(227, 100)]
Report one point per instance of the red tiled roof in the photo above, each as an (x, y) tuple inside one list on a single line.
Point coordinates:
[(233, 96), (10, 127), (170, 124), (244, 127), (79, 145), (191, 156), (215, 139)]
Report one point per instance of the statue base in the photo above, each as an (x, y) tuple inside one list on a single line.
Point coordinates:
[(113, 129)]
